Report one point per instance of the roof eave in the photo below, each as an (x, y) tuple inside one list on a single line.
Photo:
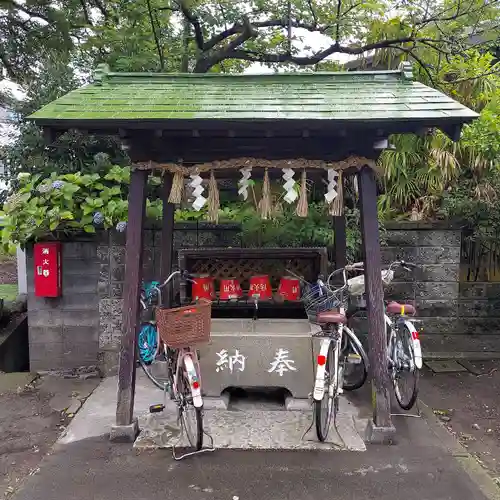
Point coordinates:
[(450, 126)]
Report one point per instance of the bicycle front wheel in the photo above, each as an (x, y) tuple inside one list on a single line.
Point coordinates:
[(324, 409), (152, 356), (406, 374), (192, 417), (354, 359)]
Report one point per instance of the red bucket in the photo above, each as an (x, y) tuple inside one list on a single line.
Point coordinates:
[(289, 288), (230, 289), (203, 287), (260, 287)]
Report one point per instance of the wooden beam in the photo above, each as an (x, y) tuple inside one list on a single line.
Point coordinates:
[(49, 135), (375, 295), (167, 236), (133, 270)]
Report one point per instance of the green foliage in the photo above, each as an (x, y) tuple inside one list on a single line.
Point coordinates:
[(478, 207), (44, 206)]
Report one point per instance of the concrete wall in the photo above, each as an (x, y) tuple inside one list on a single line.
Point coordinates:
[(64, 331), (456, 317)]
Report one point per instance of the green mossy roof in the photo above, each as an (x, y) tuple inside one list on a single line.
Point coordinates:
[(351, 96)]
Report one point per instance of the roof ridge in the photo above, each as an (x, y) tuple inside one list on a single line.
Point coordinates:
[(103, 74)]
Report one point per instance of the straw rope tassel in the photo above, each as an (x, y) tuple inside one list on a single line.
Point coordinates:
[(337, 205), (177, 188), (213, 199), (302, 207), (265, 204)]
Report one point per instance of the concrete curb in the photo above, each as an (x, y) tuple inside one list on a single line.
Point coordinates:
[(467, 461)]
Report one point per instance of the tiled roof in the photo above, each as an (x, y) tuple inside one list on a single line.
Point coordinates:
[(347, 96)]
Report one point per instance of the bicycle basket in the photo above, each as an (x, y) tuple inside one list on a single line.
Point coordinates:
[(185, 326), (316, 302)]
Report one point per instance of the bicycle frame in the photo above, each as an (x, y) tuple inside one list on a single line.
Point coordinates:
[(319, 381)]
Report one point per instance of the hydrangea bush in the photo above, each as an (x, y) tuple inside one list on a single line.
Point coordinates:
[(69, 203)]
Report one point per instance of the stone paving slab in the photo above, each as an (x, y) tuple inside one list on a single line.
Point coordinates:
[(254, 429)]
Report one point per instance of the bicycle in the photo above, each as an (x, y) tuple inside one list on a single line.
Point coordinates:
[(404, 351), (172, 335), (325, 306)]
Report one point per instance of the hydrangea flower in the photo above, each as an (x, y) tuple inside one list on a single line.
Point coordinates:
[(98, 218), (121, 226), (101, 159), (57, 184), (22, 176), (44, 188)]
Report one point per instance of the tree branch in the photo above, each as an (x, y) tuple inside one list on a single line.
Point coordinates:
[(337, 22), (86, 12), (8, 67), (99, 5), (29, 12), (194, 21), (456, 15), (238, 28), (472, 78), (205, 63), (155, 35), (313, 12)]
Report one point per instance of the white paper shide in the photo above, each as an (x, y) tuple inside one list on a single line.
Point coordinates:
[(199, 199)]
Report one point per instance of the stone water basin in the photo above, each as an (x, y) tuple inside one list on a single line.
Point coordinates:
[(259, 353)]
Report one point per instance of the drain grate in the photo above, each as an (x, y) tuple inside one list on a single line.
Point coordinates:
[(445, 366)]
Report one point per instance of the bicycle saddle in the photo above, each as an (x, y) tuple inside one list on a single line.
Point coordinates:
[(327, 317), (397, 308)]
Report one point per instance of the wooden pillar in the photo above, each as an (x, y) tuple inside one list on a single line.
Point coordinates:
[(167, 236), (340, 240), (381, 427), (133, 271)]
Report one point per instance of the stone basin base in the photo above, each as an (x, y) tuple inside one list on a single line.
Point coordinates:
[(262, 353)]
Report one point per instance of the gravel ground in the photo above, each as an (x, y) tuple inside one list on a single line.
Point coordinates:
[(33, 413), (28, 429)]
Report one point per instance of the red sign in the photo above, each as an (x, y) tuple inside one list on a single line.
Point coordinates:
[(203, 287), (289, 288), (260, 287), (48, 276), (230, 289)]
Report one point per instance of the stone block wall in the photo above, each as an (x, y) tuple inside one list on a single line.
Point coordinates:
[(83, 326), (455, 317)]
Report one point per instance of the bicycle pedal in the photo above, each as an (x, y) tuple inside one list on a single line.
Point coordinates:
[(354, 359), (156, 408)]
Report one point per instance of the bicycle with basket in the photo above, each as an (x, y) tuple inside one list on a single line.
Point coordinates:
[(342, 363), (167, 354)]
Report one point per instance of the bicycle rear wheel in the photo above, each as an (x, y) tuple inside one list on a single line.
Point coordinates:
[(324, 409), (192, 417), (406, 374), (354, 359)]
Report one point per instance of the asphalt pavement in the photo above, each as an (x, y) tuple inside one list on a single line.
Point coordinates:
[(96, 469)]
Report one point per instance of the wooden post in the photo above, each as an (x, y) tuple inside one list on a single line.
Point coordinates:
[(339, 229), (381, 429), (167, 236), (126, 427)]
